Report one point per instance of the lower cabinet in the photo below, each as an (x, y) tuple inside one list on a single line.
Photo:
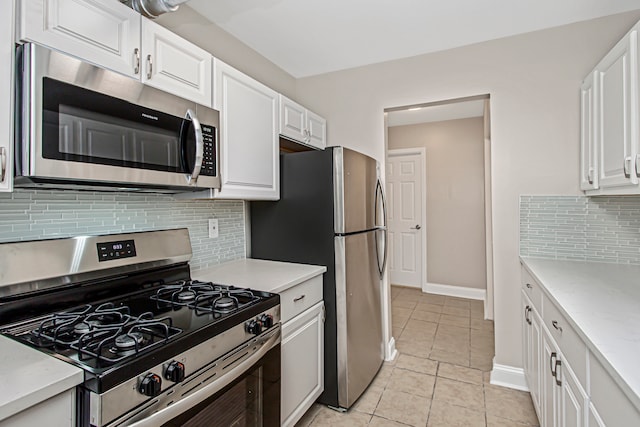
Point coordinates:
[(569, 385), (302, 363), (58, 411)]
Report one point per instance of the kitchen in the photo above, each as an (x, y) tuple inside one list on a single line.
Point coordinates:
[(525, 75)]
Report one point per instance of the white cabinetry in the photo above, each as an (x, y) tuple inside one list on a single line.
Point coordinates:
[(531, 353), (610, 121), (302, 348), (114, 36), (6, 95), (249, 149), (175, 65), (106, 33), (302, 125), (588, 153), (58, 411)]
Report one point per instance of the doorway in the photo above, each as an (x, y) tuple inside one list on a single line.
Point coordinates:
[(406, 194), (455, 258)]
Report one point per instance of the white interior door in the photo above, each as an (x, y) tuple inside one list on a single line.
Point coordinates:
[(406, 217)]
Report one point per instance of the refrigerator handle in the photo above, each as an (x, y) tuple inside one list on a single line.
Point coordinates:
[(380, 193)]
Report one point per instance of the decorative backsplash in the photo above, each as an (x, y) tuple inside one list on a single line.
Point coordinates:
[(605, 229), (47, 214)]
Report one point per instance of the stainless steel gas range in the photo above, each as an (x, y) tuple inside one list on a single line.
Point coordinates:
[(156, 348)]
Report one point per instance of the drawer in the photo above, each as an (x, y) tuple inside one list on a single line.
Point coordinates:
[(570, 344), (298, 298), (532, 289), (608, 400)]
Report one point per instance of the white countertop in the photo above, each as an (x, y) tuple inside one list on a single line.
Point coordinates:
[(262, 275), (28, 377), (602, 301)]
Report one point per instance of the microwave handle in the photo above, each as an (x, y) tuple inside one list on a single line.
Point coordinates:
[(199, 146)]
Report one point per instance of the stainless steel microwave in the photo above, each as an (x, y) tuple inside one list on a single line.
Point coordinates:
[(84, 127)]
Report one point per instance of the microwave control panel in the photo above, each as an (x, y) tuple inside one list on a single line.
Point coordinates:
[(209, 160)]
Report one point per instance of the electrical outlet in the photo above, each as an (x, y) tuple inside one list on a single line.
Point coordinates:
[(213, 228)]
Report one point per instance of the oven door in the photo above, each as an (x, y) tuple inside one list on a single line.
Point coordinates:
[(83, 123), (245, 393)]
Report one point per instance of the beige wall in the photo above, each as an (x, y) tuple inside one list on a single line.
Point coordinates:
[(455, 198), (202, 32), (533, 80)]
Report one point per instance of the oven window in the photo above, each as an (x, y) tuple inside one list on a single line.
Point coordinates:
[(81, 125), (252, 400)]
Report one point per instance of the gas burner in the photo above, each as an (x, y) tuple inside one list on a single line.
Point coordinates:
[(186, 296), (128, 341), (225, 303), (85, 327), (182, 293)]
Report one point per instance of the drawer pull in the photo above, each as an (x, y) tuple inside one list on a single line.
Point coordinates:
[(299, 298), (527, 310), (555, 325), (557, 373), (552, 363), (529, 286)]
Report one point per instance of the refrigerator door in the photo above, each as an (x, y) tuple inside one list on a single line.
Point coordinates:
[(360, 344), (355, 179)]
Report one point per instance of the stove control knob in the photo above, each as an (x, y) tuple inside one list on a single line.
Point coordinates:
[(253, 327), (266, 320), (174, 372), (150, 385)]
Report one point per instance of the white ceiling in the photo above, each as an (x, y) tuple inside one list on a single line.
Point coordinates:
[(308, 37), (437, 113)]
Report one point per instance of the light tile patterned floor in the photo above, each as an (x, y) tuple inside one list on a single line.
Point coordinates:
[(441, 375)]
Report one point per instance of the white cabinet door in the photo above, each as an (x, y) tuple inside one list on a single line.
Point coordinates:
[(531, 351), (104, 32), (316, 130), (573, 398), (549, 391), (175, 65), (6, 95), (293, 121), (302, 363), (58, 411), (594, 419), (617, 114), (249, 146), (302, 125), (588, 132)]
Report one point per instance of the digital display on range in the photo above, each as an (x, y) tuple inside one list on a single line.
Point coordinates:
[(116, 250)]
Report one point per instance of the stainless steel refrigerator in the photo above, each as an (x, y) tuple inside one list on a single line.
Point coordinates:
[(331, 212)]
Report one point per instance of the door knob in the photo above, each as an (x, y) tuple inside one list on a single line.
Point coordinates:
[(417, 227)]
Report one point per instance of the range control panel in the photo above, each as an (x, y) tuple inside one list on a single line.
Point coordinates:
[(116, 250)]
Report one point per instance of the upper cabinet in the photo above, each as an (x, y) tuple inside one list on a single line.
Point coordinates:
[(249, 148), (106, 33), (302, 125), (609, 149), (114, 36), (6, 95), (175, 65)]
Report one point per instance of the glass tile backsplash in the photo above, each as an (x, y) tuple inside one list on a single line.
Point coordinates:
[(605, 229), (47, 214)]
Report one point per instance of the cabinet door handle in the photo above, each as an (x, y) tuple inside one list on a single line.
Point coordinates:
[(529, 286), (149, 67), (527, 310), (557, 373), (555, 325), (626, 162), (552, 363), (590, 175), (3, 163), (638, 165), (136, 58), (301, 297)]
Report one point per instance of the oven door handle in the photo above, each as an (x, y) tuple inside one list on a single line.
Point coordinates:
[(170, 412), (199, 146)]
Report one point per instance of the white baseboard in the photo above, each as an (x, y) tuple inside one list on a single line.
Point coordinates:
[(391, 352), (455, 291), (508, 376)]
